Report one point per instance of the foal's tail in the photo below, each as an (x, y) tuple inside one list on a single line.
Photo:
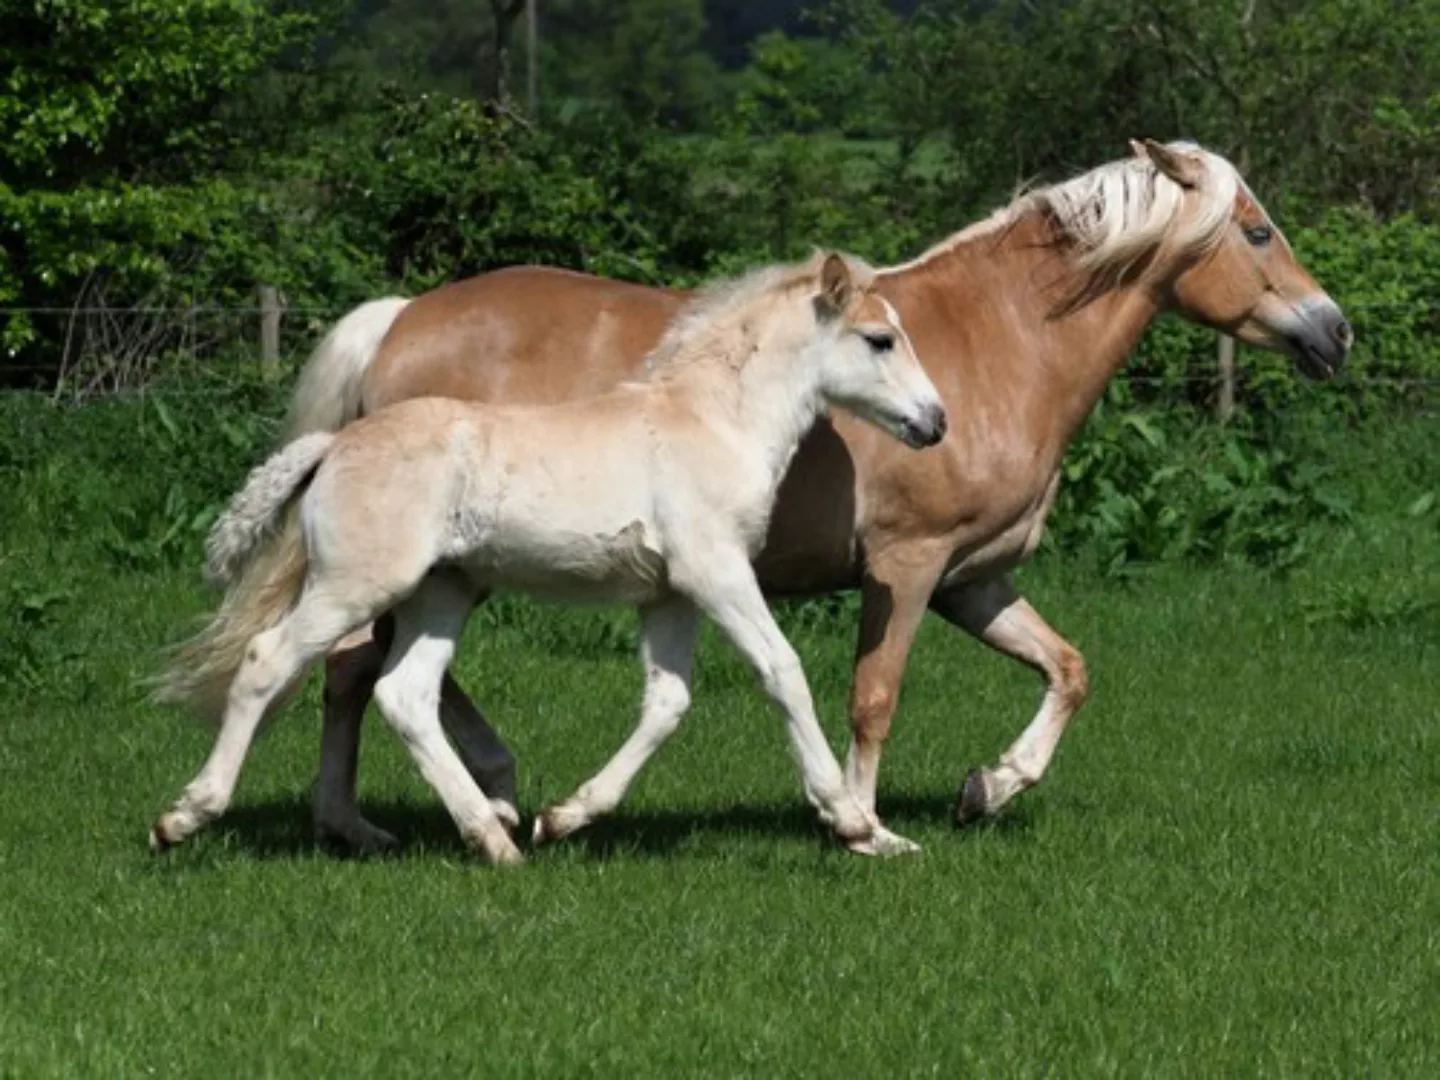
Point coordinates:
[(264, 568), (255, 509), (327, 397)]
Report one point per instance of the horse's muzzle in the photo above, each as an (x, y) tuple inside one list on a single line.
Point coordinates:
[(1320, 338)]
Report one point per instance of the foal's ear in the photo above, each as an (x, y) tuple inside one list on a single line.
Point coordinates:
[(1184, 168), (835, 286)]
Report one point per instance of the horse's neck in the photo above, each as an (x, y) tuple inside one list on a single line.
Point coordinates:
[(998, 299)]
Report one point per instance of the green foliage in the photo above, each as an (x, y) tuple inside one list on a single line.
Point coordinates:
[(1146, 487), (131, 484), (643, 56), (107, 88)]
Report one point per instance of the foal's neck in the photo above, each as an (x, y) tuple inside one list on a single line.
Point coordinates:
[(769, 389)]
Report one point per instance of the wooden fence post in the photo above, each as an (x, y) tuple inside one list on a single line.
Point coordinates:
[(269, 327), (1225, 358)]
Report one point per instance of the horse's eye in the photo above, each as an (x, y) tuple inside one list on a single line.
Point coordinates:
[(1259, 235), (881, 342)]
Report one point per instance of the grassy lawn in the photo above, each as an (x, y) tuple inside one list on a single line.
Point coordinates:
[(1230, 870)]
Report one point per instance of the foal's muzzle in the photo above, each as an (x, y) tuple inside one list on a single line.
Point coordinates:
[(1319, 337), (925, 429)]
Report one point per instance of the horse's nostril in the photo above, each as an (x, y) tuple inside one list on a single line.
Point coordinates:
[(1343, 334)]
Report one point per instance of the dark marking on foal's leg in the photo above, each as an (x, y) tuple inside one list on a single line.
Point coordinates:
[(971, 804)]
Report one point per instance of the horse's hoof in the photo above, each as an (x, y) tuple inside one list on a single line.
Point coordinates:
[(971, 802), (357, 837), (883, 843)]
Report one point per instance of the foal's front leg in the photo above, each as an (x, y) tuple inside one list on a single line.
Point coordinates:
[(999, 616), (725, 589), (667, 645)]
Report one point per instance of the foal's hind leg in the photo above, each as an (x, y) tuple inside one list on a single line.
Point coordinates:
[(427, 627), (667, 644), (273, 661), (999, 616), (351, 670)]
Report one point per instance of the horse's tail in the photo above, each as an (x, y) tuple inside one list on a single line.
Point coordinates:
[(327, 397), (255, 509), (265, 569)]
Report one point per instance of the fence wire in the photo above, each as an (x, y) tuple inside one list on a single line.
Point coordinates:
[(109, 350)]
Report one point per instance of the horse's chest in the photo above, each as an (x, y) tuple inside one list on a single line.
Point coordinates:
[(1002, 541)]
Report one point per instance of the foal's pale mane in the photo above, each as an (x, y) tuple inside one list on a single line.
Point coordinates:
[(718, 320), (1117, 213)]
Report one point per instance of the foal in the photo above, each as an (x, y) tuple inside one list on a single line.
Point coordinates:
[(658, 494)]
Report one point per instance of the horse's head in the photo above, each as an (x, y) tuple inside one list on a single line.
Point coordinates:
[(867, 362), (1245, 279)]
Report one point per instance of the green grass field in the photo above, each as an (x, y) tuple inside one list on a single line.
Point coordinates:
[(1231, 870)]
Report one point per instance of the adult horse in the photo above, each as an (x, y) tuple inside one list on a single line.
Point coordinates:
[(1021, 321)]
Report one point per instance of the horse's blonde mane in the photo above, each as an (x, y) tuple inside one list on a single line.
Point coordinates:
[(1117, 213), (714, 323)]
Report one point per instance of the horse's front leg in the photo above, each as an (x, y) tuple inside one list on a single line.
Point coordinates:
[(999, 616), (725, 588), (893, 597)]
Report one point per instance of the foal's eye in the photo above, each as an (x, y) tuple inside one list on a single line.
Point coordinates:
[(880, 342), (1259, 235)]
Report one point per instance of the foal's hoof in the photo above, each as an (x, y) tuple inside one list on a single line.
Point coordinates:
[(884, 843), (507, 854), (972, 804), (555, 823), (506, 812), (160, 841), (168, 831)]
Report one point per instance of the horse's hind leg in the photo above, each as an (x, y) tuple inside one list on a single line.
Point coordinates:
[(273, 660), (667, 644), (350, 673), (999, 616), (427, 627)]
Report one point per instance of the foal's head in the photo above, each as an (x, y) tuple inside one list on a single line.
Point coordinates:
[(866, 362), (1244, 278)]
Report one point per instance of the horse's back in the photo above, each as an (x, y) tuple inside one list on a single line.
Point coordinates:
[(523, 335)]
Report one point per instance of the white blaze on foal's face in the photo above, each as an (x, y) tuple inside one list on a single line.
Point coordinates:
[(871, 367)]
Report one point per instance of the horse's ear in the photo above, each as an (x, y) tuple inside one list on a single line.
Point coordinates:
[(835, 286), (1184, 168)]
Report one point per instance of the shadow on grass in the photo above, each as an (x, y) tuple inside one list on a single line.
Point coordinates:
[(281, 829)]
